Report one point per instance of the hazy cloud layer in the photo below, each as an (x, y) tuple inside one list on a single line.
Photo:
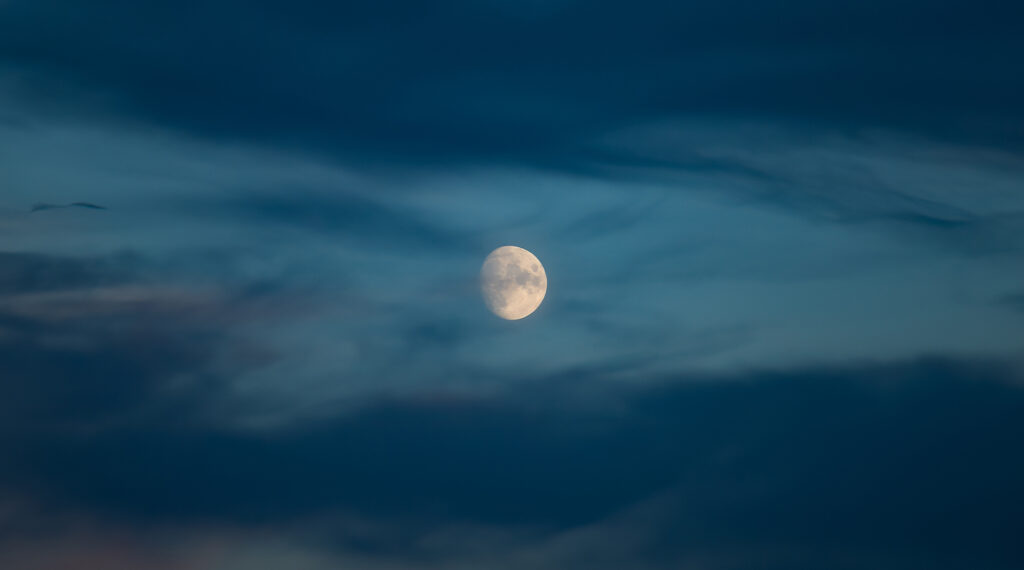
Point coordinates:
[(457, 80), (784, 245), (889, 465), (687, 269)]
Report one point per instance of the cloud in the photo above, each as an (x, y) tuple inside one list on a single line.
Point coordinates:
[(86, 205), (271, 350), (359, 221), (889, 464), (872, 178), (1013, 300), (93, 342), (458, 81), (344, 273), (35, 273)]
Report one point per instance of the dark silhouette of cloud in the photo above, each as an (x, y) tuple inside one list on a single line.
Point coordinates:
[(457, 81), (86, 205), (907, 463)]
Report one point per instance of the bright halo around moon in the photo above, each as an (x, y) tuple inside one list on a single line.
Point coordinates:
[(513, 282)]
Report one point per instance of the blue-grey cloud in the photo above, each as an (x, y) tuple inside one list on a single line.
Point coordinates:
[(1013, 300), (907, 463), (358, 221), (29, 273), (468, 80)]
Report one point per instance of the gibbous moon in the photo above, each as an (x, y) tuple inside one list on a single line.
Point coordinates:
[(513, 282)]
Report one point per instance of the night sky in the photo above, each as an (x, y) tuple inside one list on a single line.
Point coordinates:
[(241, 325)]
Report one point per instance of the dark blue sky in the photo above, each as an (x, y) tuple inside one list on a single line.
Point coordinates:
[(784, 326)]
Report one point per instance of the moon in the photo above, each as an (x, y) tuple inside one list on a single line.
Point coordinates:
[(513, 282)]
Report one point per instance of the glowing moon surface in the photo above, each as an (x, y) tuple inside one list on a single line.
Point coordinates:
[(513, 282)]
